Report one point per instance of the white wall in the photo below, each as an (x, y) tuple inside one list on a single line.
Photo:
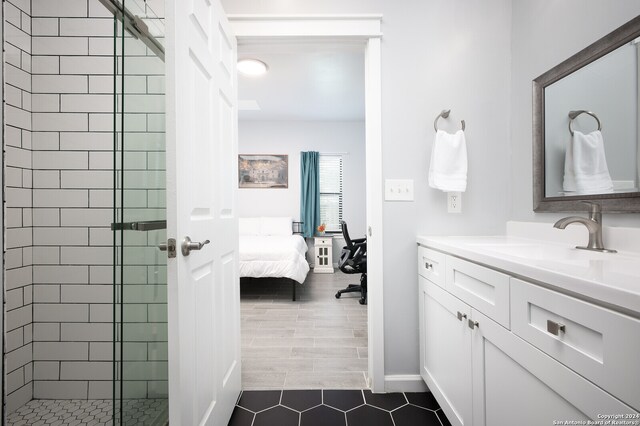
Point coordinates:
[(292, 137), (435, 55), (568, 26)]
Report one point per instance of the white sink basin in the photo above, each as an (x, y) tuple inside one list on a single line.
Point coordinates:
[(568, 260), (546, 252)]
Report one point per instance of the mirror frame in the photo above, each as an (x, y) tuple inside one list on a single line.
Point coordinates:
[(628, 202)]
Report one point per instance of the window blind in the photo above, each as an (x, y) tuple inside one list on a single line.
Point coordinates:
[(331, 191)]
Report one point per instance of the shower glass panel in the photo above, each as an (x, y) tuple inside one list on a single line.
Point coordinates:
[(140, 280)]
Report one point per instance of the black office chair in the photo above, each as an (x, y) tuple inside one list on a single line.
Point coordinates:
[(353, 260)]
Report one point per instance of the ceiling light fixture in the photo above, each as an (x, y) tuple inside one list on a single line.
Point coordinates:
[(252, 67)]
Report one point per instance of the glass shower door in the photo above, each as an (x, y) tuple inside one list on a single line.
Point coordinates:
[(140, 278)]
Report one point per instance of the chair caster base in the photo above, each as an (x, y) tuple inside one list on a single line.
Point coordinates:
[(353, 288)]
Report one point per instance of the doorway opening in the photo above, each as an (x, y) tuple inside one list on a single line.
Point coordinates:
[(360, 34), (311, 100)]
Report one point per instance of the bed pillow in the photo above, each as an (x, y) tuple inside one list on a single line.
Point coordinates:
[(276, 226), (249, 225)]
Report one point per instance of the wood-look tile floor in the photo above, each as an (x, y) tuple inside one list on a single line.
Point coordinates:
[(316, 342)]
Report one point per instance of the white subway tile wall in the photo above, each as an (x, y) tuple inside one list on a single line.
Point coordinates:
[(59, 178), (18, 207)]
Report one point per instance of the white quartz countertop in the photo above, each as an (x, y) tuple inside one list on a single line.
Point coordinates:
[(612, 280)]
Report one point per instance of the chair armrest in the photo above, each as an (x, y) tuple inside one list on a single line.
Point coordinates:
[(361, 245), (359, 256), (358, 240)]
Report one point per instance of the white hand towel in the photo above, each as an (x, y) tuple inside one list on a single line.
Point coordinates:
[(448, 168), (585, 165)]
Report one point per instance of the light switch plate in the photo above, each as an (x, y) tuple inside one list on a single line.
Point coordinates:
[(398, 189)]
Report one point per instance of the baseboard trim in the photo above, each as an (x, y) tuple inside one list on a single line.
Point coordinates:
[(404, 383)]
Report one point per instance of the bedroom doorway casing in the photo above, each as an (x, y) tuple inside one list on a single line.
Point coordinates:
[(364, 29)]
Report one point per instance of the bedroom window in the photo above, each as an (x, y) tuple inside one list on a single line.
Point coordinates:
[(331, 191)]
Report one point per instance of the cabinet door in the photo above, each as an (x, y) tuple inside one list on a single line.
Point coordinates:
[(445, 352), (515, 383)]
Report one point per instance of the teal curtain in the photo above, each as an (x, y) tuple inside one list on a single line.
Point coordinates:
[(309, 192)]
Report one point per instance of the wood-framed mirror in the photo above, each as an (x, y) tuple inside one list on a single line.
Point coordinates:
[(586, 127)]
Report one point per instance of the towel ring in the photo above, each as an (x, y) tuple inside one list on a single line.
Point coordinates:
[(444, 114), (574, 114)]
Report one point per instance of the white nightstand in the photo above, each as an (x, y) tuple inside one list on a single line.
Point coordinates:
[(323, 247)]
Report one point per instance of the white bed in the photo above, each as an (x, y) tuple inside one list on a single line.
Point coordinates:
[(273, 256), (269, 249)]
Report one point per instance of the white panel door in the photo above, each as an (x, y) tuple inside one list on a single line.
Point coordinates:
[(204, 305)]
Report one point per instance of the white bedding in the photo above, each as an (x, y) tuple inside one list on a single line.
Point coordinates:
[(273, 256)]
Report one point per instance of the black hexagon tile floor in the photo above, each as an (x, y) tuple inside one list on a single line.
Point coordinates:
[(336, 408)]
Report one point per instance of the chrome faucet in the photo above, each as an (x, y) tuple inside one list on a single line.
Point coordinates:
[(593, 224)]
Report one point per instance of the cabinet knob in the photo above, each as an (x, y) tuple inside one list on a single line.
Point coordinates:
[(428, 265), (555, 328), (473, 324), (461, 316)]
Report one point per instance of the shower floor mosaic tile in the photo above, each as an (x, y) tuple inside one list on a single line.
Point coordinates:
[(57, 412)]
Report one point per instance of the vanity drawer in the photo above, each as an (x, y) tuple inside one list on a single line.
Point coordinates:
[(484, 289), (431, 265), (597, 343)]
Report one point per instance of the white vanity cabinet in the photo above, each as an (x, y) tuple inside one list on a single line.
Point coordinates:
[(489, 360)]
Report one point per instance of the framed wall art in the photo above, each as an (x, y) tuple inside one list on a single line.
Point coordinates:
[(263, 171)]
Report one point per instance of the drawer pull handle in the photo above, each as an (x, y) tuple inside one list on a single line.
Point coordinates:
[(555, 327), (428, 265), (461, 316), (473, 324)]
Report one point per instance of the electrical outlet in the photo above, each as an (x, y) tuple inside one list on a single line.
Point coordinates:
[(454, 202)]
